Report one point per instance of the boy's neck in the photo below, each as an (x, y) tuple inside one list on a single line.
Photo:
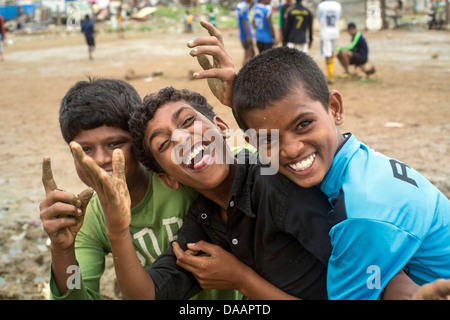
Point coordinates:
[(221, 194), (138, 185)]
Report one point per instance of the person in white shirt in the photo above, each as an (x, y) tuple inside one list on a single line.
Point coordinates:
[(328, 13)]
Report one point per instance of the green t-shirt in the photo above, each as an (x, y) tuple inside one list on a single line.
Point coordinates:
[(154, 224)]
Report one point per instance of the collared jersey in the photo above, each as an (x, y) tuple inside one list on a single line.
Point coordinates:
[(275, 227), (242, 11), (328, 14), (387, 217), (262, 12)]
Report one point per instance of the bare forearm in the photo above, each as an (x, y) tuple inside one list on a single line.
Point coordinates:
[(61, 261), (401, 287), (134, 281), (254, 287)]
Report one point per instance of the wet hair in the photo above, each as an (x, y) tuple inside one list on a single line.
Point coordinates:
[(273, 75), (97, 102), (152, 102)]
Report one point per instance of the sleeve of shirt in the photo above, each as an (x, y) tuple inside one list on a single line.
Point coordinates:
[(171, 281), (90, 257), (353, 44), (366, 255), (310, 22), (269, 11)]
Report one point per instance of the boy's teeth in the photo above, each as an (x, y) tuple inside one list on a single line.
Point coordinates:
[(303, 165), (194, 153)]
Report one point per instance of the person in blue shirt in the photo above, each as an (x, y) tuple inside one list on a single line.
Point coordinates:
[(245, 29), (262, 22), (87, 27), (386, 218), (357, 53)]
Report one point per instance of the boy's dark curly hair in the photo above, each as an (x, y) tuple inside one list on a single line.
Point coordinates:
[(152, 102)]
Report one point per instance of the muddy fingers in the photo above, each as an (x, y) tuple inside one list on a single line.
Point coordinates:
[(47, 175)]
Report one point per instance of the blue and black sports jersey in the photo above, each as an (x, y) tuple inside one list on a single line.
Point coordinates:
[(386, 217), (242, 10), (262, 29)]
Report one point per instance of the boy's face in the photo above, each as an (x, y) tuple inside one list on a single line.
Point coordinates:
[(187, 146), (351, 31), (308, 137), (99, 144)]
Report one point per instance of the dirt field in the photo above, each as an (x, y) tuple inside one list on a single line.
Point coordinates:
[(403, 112)]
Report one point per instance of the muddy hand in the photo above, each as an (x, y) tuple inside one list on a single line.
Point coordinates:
[(50, 185), (112, 191), (61, 212), (220, 73)]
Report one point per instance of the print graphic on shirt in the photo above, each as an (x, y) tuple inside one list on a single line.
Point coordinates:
[(259, 22), (299, 22), (299, 16), (403, 175), (171, 228), (331, 20)]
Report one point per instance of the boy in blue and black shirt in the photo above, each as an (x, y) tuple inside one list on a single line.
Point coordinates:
[(386, 218)]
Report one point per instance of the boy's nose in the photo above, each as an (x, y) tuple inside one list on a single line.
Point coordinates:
[(103, 158), (291, 149), (181, 137)]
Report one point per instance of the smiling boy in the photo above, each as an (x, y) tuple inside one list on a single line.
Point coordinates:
[(378, 203), (237, 211), (95, 114)]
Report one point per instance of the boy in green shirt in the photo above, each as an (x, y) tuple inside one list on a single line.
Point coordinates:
[(95, 114)]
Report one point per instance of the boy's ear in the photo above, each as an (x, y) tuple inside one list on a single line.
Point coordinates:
[(223, 126), (336, 107), (169, 181)]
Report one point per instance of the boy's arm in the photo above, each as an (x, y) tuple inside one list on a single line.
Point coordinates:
[(311, 30), (221, 73), (352, 45), (401, 287), (62, 215), (219, 269), (271, 28), (134, 281)]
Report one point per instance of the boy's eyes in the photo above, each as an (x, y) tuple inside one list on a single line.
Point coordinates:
[(162, 145), (115, 144), (87, 150), (110, 145), (304, 124), (267, 140), (186, 122)]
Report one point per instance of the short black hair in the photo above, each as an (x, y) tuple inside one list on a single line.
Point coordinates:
[(152, 102), (97, 102), (274, 74), (351, 25)]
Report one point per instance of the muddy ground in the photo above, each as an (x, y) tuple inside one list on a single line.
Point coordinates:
[(403, 111)]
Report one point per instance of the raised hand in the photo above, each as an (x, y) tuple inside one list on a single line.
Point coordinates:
[(436, 290), (220, 73), (61, 212), (112, 190)]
